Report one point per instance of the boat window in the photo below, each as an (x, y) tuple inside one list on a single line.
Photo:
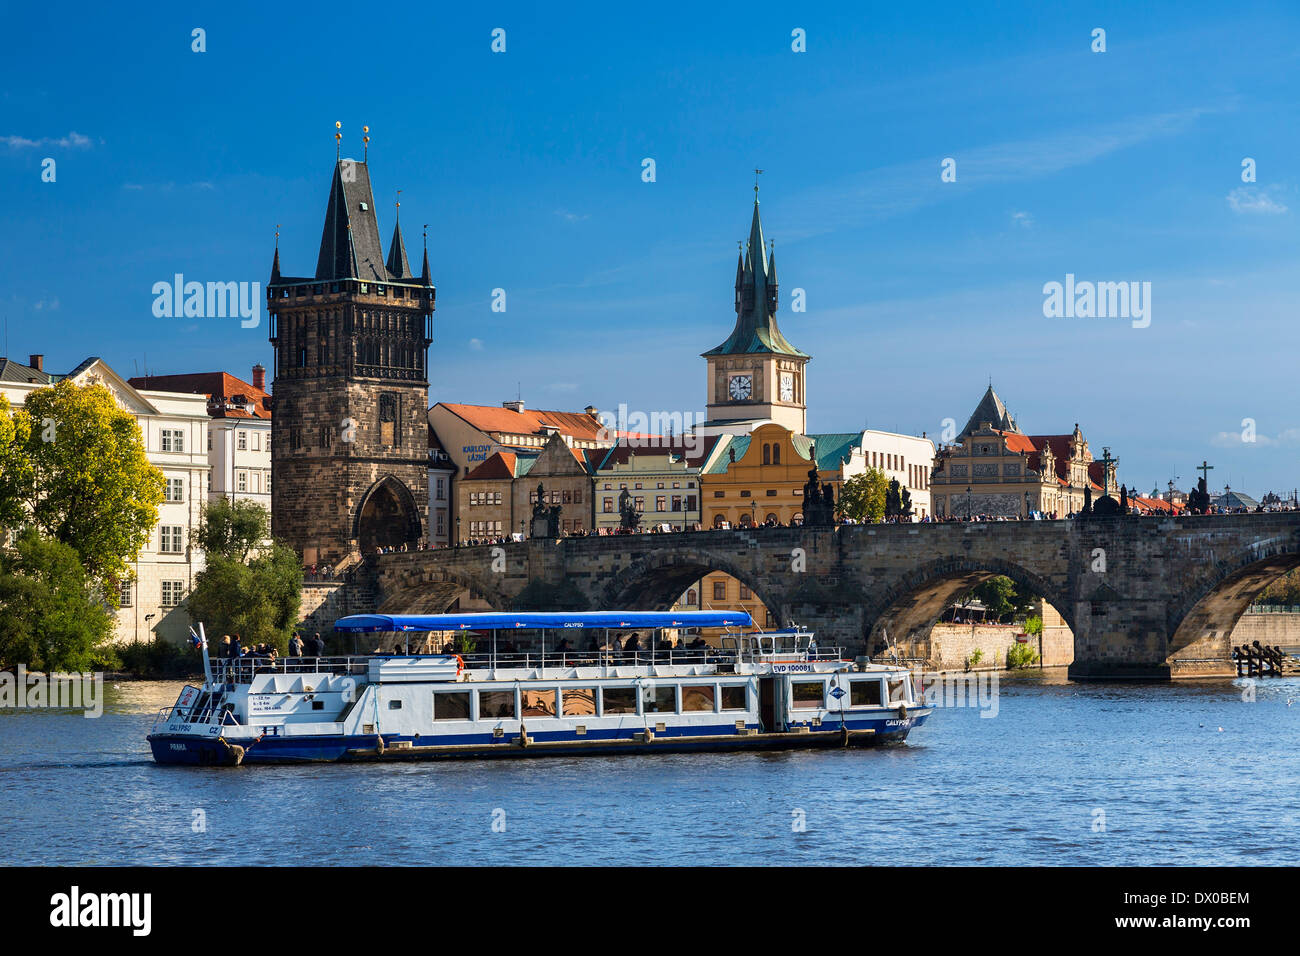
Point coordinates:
[(394, 705), (538, 703), (734, 697), (697, 697), (494, 704), (662, 700), (579, 701), (898, 691), (451, 705), (807, 694), (618, 700), (864, 693)]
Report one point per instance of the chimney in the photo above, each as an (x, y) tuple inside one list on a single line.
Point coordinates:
[(259, 376), (515, 406), (37, 362), (593, 411)]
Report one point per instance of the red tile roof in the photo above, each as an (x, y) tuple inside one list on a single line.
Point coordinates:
[(226, 394), (499, 465), (490, 418), (622, 453)]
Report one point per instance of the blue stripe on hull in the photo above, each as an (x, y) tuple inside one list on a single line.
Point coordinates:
[(198, 751)]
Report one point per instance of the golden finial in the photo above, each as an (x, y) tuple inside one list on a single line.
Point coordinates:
[(277, 235), (338, 139), (366, 140)]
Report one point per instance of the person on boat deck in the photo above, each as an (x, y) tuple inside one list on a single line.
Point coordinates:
[(563, 647), (225, 646), (295, 645), (633, 643), (317, 645), (234, 645), (271, 654)]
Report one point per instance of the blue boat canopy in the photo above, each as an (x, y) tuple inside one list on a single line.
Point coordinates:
[(510, 620)]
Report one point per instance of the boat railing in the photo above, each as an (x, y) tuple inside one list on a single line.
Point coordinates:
[(242, 670)]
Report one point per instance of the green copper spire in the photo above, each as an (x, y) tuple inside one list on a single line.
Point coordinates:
[(756, 300)]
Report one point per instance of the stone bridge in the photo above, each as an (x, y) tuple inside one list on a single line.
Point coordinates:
[(1146, 598)]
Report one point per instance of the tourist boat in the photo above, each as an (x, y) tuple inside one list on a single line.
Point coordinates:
[(758, 691)]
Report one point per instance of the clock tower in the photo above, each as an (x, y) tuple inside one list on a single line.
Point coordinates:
[(756, 375)]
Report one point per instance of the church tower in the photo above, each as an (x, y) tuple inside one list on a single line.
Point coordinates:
[(349, 447), (756, 375)]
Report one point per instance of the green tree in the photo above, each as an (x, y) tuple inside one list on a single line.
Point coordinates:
[(14, 464), (88, 482), (258, 600), (862, 497), (52, 614), (1000, 596), (232, 529)]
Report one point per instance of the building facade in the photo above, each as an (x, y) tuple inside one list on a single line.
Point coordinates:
[(239, 430), (662, 480), (173, 426), (349, 445), (993, 468)]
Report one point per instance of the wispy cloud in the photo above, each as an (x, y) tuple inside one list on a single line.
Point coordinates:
[(476, 345), (46, 305), (1023, 219), (1284, 438), (571, 216), (1252, 199), (73, 140), (167, 187), (903, 187)]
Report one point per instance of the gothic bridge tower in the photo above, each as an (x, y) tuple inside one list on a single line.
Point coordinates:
[(349, 449)]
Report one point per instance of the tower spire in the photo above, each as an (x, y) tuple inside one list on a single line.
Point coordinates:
[(398, 266), (424, 274)]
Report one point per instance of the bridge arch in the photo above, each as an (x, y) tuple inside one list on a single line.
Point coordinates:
[(657, 580), (915, 601), (422, 590), (1212, 604), (387, 516)]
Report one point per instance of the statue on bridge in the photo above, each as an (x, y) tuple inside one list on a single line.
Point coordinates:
[(546, 518), (818, 501), (629, 517)]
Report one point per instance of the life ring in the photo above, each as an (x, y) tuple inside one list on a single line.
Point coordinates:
[(460, 665)]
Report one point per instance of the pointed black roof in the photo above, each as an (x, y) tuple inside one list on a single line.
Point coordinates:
[(398, 266), (991, 410), (350, 247)]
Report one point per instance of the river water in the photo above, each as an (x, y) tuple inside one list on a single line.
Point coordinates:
[(1082, 774)]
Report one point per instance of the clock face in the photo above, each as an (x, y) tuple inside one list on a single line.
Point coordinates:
[(740, 387), (787, 386)]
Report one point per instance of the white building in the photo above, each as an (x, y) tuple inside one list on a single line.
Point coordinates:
[(174, 428), (906, 457), (239, 433)]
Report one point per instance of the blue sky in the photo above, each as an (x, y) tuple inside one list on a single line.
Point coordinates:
[(1115, 166)]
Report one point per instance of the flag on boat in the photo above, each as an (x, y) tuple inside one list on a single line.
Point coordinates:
[(198, 642)]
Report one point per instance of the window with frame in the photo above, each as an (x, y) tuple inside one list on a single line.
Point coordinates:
[(807, 695), (451, 705), (734, 697), (496, 704), (169, 539), (538, 703), (662, 701), (389, 426), (241, 441), (607, 506), (719, 590), (579, 701), (172, 593), (745, 593), (175, 489), (173, 439), (241, 481), (864, 693), (897, 691), (697, 697), (618, 700), (125, 593)]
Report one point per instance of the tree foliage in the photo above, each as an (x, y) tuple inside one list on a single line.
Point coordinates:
[(862, 497), (898, 500), (52, 614), (87, 481), (232, 529), (258, 600), (1000, 596), (14, 463)]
